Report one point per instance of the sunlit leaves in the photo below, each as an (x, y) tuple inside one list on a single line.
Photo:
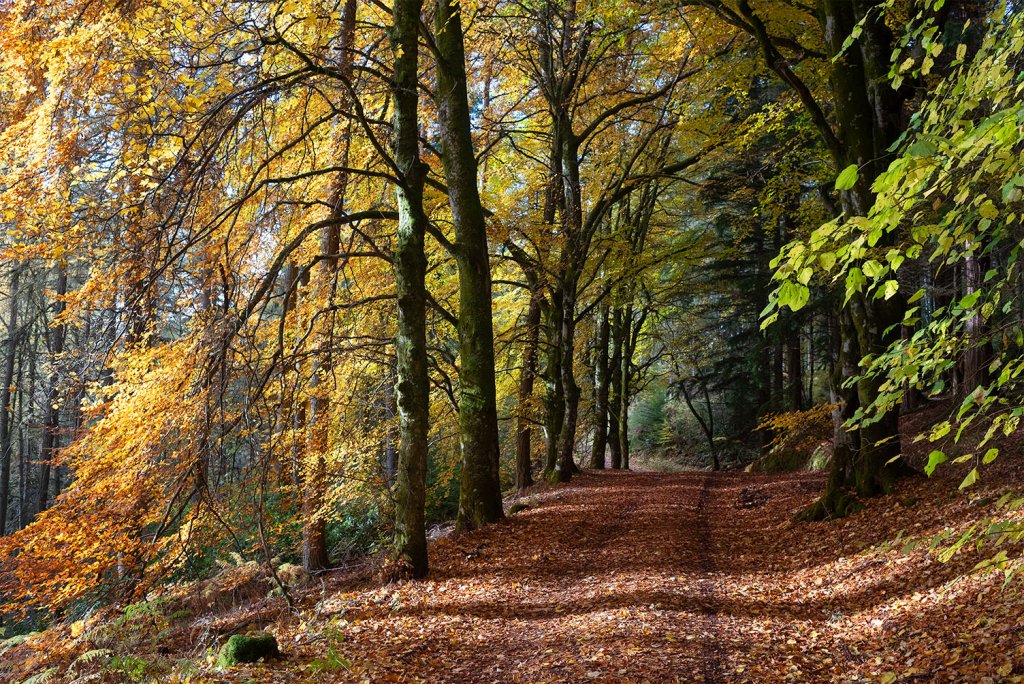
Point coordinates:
[(847, 178)]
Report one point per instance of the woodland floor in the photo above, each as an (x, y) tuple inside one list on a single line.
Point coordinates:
[(650, 577)]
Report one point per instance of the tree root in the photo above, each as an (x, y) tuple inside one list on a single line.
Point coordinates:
[(832, 505)]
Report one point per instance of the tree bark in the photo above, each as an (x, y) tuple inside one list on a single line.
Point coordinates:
[(571, 390), (50, 443), (977, 357), (25, 414), (615, 390), (624, 384), (597, 454), (794, 367), (836, 502), (314, 525), (570, 268), (480, 486), (554, 398), (6, 427), (527, 375), (410, 263)]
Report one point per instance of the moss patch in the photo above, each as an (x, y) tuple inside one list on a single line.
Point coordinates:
[(782, 460), (247, 649)]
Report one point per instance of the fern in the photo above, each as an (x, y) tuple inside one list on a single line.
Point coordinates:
[(95, 654), (331, 662), (42, 677)]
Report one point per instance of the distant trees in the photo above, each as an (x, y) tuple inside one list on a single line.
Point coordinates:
[(44, 367)]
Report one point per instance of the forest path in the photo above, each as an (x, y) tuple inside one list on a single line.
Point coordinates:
[(620, 577)]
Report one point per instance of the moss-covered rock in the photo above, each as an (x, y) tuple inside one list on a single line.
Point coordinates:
[(247, 649), (517, 507), (782, 460)]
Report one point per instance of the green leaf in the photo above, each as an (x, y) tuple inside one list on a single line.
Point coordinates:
[(922, 148), (873, 269), (934, 459), (848, 178), (971, 478), (968, 301), (793, 295), (855, 282), (990, 456), (988, 210)]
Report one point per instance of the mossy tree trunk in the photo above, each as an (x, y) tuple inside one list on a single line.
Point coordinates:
[(571, 390), (554, 398), (570, 269), (413, 389), (480, 487), (869, 119), (630, 330)]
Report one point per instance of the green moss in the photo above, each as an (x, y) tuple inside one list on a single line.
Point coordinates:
[(791, 460), (247, 649), (515, 508)]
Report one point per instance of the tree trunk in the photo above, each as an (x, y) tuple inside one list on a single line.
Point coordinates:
[(554, 398), (314, 525), (706, 426), (624, 383), (24, 416), (778, 372), (570, 268), (597, 454), (567, 437), (524, 432), (410, 263), (715, 462), (480, 484), (837, 501), (794, 367), (615, 390), (976, 358), (6, 427), (51, 425), (869, 117)]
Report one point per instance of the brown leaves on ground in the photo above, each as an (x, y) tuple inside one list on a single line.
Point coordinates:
[(645, 577)]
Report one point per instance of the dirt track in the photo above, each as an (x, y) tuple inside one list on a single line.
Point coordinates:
[(631, 577)]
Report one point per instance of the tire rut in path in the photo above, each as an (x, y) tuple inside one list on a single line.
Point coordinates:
[(711, 665)]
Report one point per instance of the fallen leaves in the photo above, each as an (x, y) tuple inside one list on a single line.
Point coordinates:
[(643, 577)]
